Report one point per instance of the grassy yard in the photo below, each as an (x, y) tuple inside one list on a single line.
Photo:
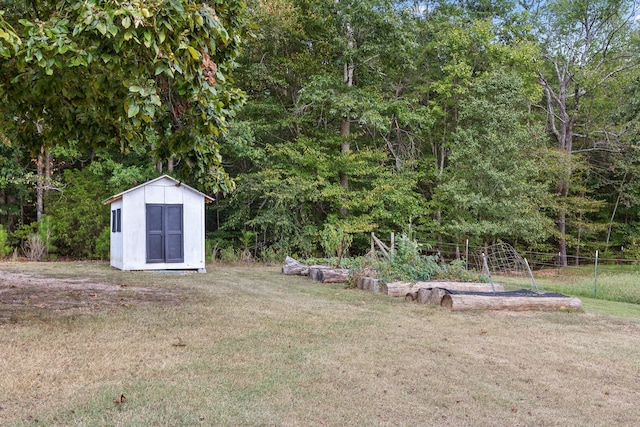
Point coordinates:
[(612, 282), (250, 346)]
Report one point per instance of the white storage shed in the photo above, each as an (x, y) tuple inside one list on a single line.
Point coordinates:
[(158, 225)]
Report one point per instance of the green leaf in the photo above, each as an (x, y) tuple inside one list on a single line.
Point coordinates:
[(155, 100), (194, 53), (131, 108), (147, 38), (126, 22)]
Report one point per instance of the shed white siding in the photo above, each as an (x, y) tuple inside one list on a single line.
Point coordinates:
[(129, 247), (116, 237)]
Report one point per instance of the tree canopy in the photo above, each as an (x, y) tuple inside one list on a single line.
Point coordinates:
[(148, 76), (481, 120)]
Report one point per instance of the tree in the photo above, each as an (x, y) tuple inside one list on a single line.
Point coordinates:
[(494, 186), (299, 174), (588, 45), (147, 75), (461, 44)]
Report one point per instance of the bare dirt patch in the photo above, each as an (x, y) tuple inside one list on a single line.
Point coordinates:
[(21, 293)]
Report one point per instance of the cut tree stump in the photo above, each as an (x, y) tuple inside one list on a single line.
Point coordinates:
[(464, 302), (370, 284), (364, 282), (293, 267)]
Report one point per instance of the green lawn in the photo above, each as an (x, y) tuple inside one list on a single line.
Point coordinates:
[(249, 346)]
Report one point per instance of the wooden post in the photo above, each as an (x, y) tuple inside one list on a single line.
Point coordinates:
[(393, 244), (595, 277), (373, 244)]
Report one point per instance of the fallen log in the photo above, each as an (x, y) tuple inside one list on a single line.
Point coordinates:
[(431, 296), (411, 296), (396, 289), (461, 286), (464, 302), (293, 267), (338, 275), (314, 271)]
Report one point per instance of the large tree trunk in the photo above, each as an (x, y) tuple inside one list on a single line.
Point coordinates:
[(345, 126), (40, 186), (44, 170), (561, 121)]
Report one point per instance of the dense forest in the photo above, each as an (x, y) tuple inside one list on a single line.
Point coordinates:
[(486, 121)]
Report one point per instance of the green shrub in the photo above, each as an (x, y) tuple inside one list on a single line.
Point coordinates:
[(407, 263), (271, 255), (229, 255), (212, 248), (103, 244), (456, 272), (5, 249), (335, 241), (36, 239), (78, 216)]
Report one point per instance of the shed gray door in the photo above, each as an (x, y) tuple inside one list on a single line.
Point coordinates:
[(165, 242)]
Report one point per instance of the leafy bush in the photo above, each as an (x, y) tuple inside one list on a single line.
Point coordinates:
[(335, 241), (271, 255), (4, 247), (456, 272), (229, 255), (103, 244), (212, 248), (407, 263), (78, 216), (36, 239)]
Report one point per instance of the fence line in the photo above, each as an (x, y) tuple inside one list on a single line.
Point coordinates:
[(616, 279), (537, 260)]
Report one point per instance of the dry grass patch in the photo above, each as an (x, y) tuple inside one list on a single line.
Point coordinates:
[(249, 346)]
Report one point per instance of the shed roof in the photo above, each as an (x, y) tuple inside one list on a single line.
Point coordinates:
[(116, 197)]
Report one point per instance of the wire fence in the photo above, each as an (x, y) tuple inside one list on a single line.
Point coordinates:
[(591, 276), (537, 260)]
